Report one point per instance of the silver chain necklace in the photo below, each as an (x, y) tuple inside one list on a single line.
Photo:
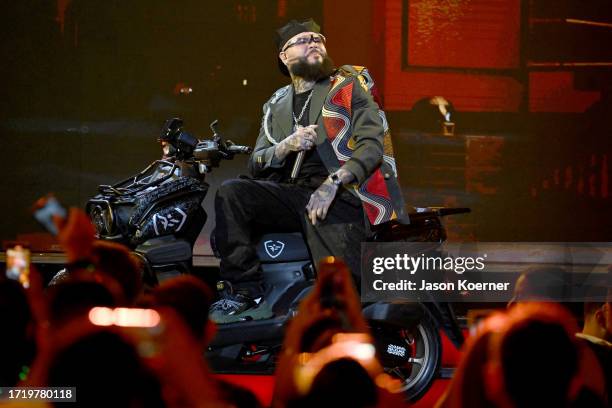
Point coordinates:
[(297, 120)]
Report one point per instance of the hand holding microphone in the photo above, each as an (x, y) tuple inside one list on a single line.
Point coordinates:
[(301, 140), (308, 137)]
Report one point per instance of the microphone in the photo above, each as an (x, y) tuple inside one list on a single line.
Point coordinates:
[(297, 166), (299, 160)]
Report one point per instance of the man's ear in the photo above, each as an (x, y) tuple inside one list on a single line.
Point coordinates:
[(283, 57)]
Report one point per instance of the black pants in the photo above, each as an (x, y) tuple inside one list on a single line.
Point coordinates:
[(246, 208)]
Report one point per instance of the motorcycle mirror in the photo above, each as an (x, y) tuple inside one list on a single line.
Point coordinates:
[(213, 127), (217, 137)]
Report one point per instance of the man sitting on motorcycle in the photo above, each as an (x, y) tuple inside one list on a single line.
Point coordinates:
[(348, 171)]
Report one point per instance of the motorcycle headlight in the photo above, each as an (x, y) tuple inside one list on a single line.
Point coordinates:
[(102, 219)]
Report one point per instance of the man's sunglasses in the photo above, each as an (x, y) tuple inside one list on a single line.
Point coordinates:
[(315, 38)]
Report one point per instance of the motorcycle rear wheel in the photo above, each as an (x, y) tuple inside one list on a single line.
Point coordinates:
[(424, 362)]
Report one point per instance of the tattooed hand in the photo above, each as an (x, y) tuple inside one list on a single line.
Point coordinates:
[(320, 201), (302, 139)]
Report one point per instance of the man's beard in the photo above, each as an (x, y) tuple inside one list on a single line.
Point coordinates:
[(312, 72)]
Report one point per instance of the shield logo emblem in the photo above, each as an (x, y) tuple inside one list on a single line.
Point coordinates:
[(170, 223), (274, 248)]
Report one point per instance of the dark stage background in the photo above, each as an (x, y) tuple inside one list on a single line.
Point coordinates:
[(88, 84)]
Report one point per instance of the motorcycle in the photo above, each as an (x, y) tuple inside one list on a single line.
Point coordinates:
[(158, 214)]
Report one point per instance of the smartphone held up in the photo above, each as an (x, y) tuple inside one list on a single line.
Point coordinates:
[(18, 265), (49, 212)]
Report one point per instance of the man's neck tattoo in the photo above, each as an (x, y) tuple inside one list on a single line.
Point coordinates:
[(301, 85)]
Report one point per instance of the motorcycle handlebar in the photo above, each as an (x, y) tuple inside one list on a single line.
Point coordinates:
[(239, 149)]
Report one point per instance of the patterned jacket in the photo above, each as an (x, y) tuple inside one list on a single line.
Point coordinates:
[(352, 134)]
